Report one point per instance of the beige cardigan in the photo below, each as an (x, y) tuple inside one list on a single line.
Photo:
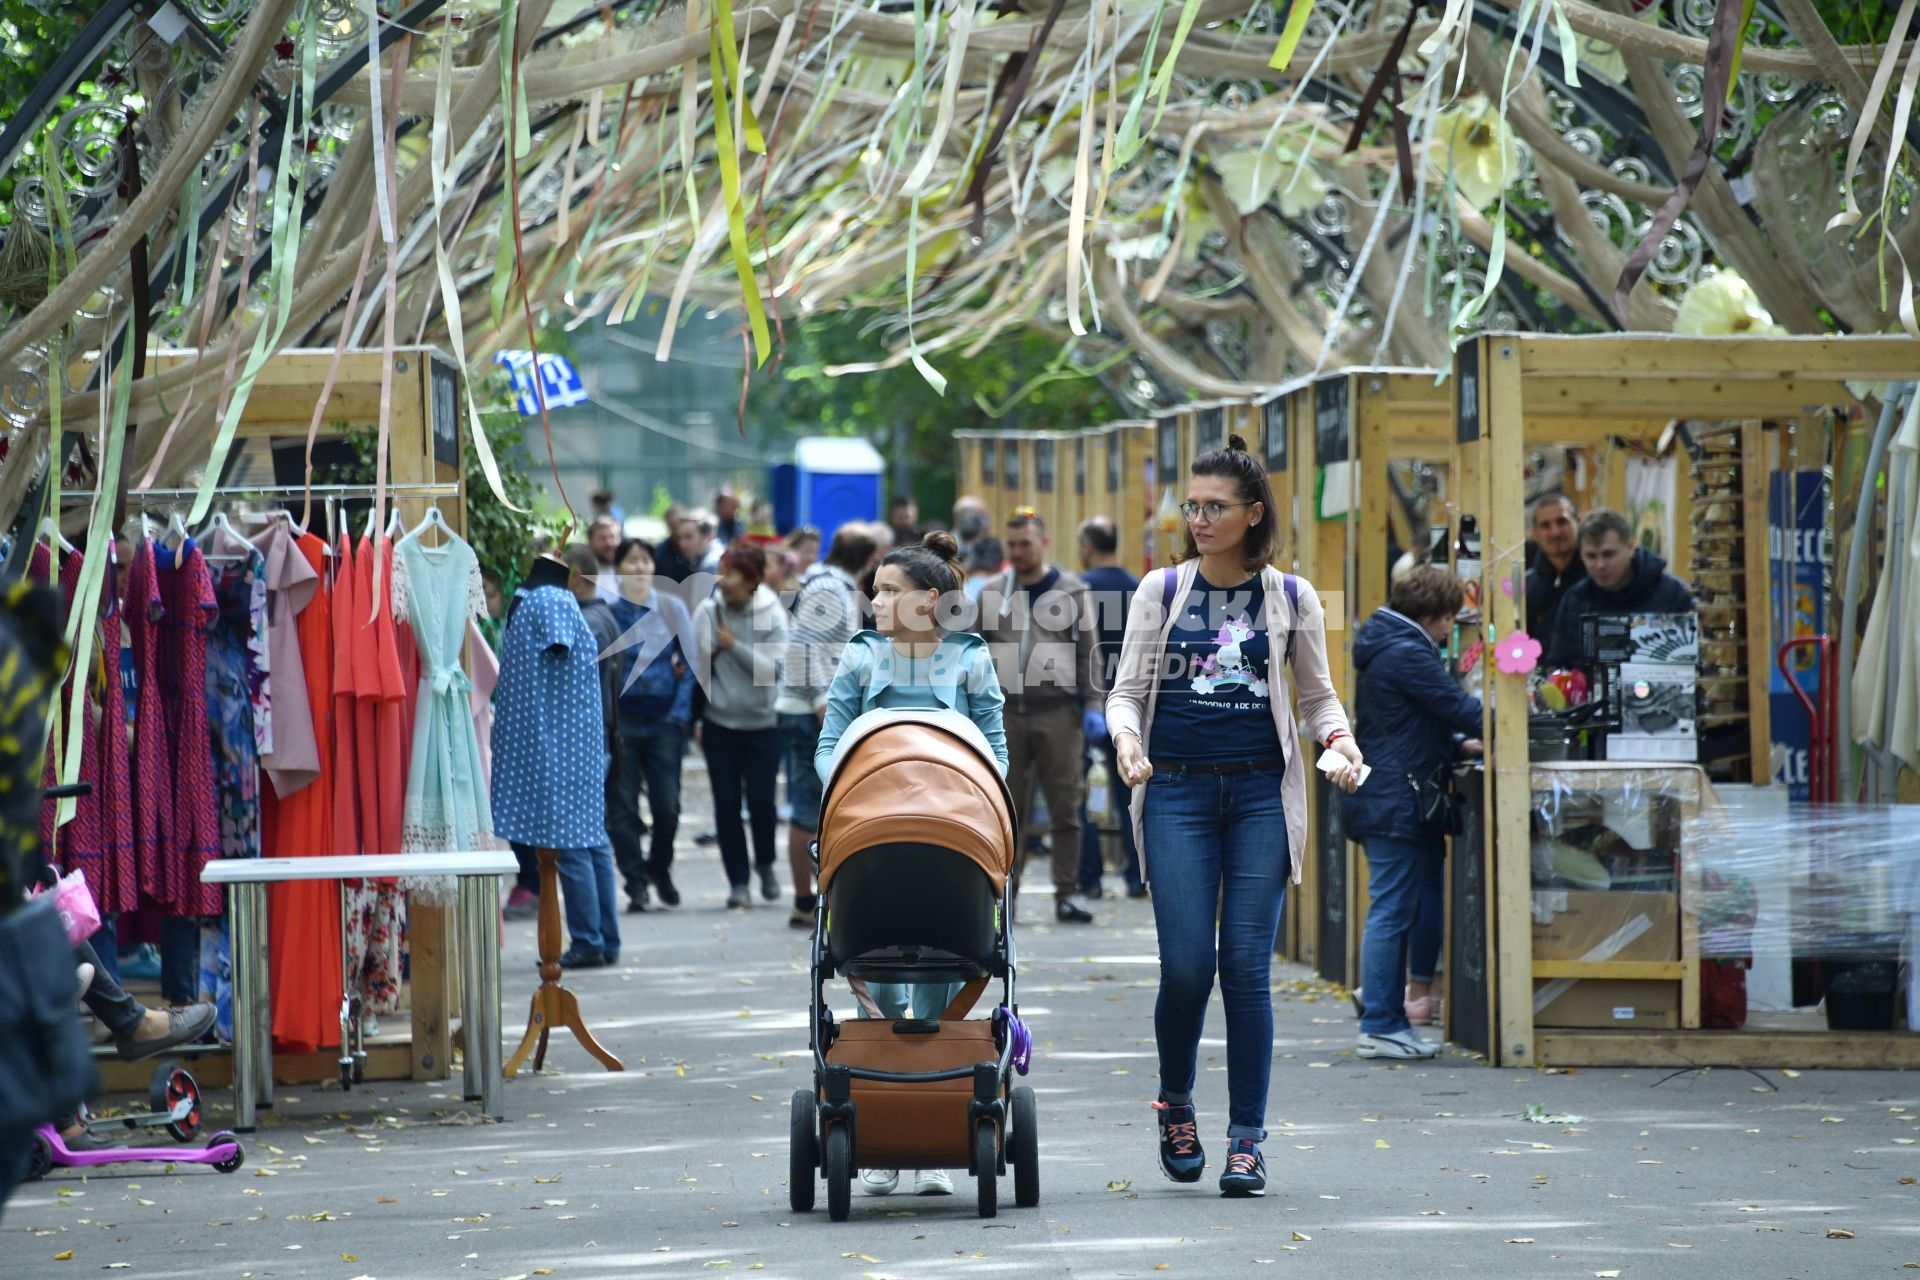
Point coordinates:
[(1136, 686)]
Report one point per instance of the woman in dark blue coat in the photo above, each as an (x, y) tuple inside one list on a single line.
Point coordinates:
[(1411, 720)]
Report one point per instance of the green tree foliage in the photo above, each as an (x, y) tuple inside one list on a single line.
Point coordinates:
[(1023, 380)]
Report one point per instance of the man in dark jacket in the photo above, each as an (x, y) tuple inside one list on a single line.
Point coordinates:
[(1622, 577), (1411, 720), (1557, 566)]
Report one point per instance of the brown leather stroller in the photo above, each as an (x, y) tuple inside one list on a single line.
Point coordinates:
[(915, 855)]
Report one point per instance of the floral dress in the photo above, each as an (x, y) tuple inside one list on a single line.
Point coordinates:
[(237, 691)]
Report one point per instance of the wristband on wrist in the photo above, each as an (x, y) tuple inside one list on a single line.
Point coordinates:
[(1336, 735)]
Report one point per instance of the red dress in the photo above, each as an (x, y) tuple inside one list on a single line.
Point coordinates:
[(99, 839), (303, 930), (376, 910)]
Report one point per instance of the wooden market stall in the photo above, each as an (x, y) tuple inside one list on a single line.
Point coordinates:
[(425, 467), (1527, 983), (1126, 458)]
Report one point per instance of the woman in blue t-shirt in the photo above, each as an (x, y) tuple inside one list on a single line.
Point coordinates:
[(1205, 734)]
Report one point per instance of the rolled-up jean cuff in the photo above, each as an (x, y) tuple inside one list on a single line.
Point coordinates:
[(1176, 1099), (1423, 978), (1249, 1132)]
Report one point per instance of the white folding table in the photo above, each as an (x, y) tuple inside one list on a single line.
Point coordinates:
[(477, 873)]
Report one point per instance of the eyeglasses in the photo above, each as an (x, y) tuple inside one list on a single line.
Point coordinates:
[(1207, 512)]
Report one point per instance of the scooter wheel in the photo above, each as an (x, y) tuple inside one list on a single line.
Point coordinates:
[(182, 1085), (234, 1161), (40, 1159)]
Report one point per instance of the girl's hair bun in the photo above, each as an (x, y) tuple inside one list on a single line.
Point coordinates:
[(1237, 443), (942, 544)]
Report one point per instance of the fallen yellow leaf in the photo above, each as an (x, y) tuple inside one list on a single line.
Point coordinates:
[(1381, 1144), (64, 1257), (1298, 1237), (1120, 1184), (349, 1257), (1839, 1233)]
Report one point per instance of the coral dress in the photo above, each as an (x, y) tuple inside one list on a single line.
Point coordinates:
[(303, 929)]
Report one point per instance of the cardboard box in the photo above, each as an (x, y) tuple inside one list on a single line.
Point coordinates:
[(1657, 700), (1580, 924), (1608, 1004), (1642, 748)]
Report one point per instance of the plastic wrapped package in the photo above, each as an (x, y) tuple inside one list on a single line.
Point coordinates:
[(1823, 900)]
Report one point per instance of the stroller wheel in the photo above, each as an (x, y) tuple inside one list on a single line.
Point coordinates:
[(803, 1155), (986, 1162), (1023, 1143), (839, 1172)]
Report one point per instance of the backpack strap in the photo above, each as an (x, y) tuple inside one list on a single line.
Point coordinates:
[(1291, 586), (1169, 583)]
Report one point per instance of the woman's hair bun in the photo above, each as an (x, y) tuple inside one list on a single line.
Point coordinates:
[(1237, 443), (942, 544)]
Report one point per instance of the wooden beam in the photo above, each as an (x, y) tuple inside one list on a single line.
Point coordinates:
[(1754, 470), (1756, 1048), (1573, 403), (1869, 358), (1502, 449), (387, 1060), (1629, 970)]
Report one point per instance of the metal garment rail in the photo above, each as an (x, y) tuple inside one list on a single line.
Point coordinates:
[(157, 497)]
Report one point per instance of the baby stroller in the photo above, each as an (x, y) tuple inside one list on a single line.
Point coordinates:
[(915, 855)]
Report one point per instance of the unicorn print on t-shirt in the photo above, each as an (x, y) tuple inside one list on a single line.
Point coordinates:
[(1228, 666)]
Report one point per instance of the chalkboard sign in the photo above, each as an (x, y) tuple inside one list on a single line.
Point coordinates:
[(1332, 433), (446, 413), (1043, 465), (1116, 460), (989, 460), (1210, 430), (1167, 450), (1273, 422), (1470, 984), (1080, 465), (1466, 392), (1331, 831), (1010, 473)]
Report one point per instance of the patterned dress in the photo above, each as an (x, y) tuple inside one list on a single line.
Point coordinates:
[(173, 764), (237, 693), (549, 747)]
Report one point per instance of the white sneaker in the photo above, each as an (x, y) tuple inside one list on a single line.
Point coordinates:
[(932, 1182), (1401, 1044), (879, 1182)]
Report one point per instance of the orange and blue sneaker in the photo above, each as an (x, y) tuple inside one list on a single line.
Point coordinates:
[(1246, 1173), (1181, 1158)]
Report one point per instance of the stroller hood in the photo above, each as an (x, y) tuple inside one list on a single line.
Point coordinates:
[(916, 777)]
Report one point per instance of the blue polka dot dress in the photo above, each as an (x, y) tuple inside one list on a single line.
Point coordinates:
[(549, 740)]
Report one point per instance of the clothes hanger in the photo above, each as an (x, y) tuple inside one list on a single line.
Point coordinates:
[(218, 528), (50, 529), (432, 520), (394, 526)]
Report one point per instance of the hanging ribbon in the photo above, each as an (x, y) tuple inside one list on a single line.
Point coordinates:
[(1015, 80), (1298, 12), (725, 61), (1721, 38)]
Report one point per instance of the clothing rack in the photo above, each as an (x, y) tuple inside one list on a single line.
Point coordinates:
[(160, 497)]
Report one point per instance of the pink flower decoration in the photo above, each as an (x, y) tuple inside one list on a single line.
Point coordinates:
[(1516, 654)]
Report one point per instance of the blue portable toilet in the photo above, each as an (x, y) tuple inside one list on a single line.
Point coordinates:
[(783, 482), (838, 480)]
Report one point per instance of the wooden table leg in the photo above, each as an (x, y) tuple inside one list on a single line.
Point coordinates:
[(553, 1005)]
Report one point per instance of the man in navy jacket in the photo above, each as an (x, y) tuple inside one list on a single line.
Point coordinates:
[(1622, 577)]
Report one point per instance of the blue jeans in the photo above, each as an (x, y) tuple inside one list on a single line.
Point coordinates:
[(1120, 795), (1217, 844), (1406, 880), (589, 889), (923, 999), (179, 959), (800, 735)]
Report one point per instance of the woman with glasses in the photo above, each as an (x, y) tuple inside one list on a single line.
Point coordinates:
[(1203, 725)]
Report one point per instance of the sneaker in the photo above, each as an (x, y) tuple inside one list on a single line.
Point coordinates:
[(932, 1182), (879, 1182), (739, 898), (663, 887), (183, 1027), (579, 957), (708, 838), (522, 904), (142, 961), (769, 884), (801, 917), (639, 898), (1181, 1158), (1136, 891), (1246, 1173), (1401, 1044), (1093, 892), (1071, 911)]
